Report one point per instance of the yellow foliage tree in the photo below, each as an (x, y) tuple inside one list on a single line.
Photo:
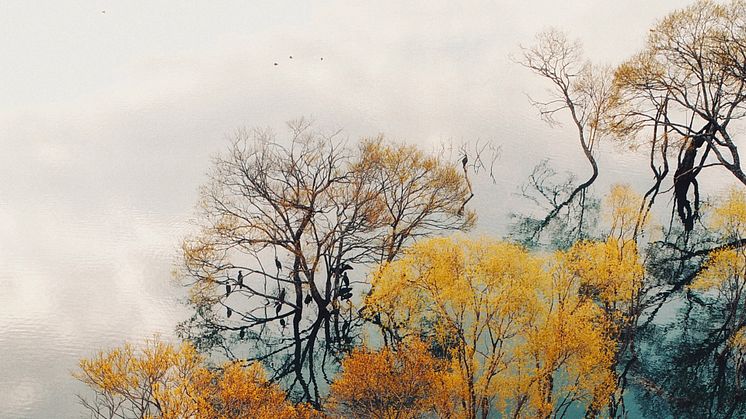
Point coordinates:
[(164, 381), (518, 331), (406, 383)]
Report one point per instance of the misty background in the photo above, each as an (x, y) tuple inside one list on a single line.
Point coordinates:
[(110, 112)]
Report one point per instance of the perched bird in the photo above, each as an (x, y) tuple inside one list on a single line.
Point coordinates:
[(341, 268), (464, 161), (282, 295), (278, 265), (345, 280), (282, 323), (308, 299), (229, 312), (227, 290), (240, 278)]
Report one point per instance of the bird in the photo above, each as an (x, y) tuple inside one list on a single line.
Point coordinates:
[(282, 295), (282, 323), (345, 280), (276, 64), (240, 278), (308, 299), (341, 268), (227, 290), (464, 161), (278, 264), (228, 311)]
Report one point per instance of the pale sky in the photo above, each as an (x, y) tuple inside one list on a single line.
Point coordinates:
[(110, 111)]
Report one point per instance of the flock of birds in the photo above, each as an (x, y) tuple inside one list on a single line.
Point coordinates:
[(291, 57), (344, 292)]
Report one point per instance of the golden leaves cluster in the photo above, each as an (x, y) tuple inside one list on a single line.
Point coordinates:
[(525, 333), (161, 380)]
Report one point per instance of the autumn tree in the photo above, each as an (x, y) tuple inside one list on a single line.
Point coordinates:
[(681, 95), (404, 383), (580, 92), (518, 336), (288, 224), (692, 363), (161, 380)]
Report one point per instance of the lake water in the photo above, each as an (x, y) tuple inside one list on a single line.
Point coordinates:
[(109, 116)]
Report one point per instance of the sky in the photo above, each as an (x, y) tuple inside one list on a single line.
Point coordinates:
[(110, 112)]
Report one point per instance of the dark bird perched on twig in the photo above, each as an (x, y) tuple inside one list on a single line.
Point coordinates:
[(278, 265), (345, 280), (240, 278), (227, 290), (228, 311), (282, 295), (464, 161), (339, 270), (308, 299)]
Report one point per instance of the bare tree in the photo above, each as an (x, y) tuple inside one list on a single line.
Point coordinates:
[(579, 90), (287, 228), (682, 93)]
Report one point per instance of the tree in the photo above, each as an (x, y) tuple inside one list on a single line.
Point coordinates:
[(582, 91), (164, 381), (284, 226), (517, 336), (683, 91), (404, 383)]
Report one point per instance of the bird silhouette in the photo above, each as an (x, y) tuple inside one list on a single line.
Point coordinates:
[(278, 265), (227, 290), (282, 323), (308, 299), (345, 280), (464, 161), (240, 278), (282, 295), (242, 333), (228, 311)]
